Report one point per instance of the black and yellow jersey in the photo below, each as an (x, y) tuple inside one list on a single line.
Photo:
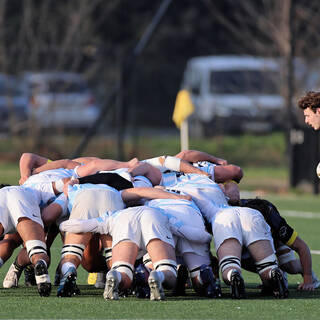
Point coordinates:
[(280, 229)]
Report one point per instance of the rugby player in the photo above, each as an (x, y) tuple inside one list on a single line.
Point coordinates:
[(286, 241)]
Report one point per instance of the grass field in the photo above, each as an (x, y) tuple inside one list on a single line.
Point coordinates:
[(24, 303)]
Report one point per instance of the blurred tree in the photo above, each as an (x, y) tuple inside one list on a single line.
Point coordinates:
[(95, 36)]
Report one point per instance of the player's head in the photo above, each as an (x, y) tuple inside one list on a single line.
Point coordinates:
[(232, 191), (310, 104)]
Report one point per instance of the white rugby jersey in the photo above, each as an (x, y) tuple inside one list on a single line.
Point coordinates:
[(75, 190), (185, 218), (205, 166), (207, 194), (42, 182)]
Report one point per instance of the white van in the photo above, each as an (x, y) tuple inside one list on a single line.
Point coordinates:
[(234, 93)]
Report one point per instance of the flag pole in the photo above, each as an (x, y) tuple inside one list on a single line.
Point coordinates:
[(184, 135), (182, 110)]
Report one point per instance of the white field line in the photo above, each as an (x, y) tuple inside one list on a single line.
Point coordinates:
[(300, 214)]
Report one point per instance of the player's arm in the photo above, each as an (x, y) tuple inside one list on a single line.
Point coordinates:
[(29, 161), (186, 167), (63, 163), (97, 164), (135, 194), (286, 234), (85, 160), (147, 170), (304, 254), (196, 156), (164, 163)]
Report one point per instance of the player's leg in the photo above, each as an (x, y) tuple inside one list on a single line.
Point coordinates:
[(227, 236), (105, 261), (71, 256), (164, 262), (33, 236), (202, 277), (120, 276), (7, 246), (157, 239), (229, 254), (258, 239)]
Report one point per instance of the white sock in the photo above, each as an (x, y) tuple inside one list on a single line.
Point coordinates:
[(1, 262), (118, 275), (229, 274), (65, 267)]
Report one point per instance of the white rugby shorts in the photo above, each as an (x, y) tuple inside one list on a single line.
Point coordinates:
[(18, 202), (244, 224), (139, 225)]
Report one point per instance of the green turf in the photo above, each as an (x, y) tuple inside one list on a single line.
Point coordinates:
[(24, 303)]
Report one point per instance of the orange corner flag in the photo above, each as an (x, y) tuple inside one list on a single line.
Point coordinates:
[(183, 107)]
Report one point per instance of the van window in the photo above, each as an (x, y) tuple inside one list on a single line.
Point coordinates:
[(244, 82)]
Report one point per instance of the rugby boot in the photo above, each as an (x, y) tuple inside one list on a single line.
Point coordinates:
[(12, 277), (211, 287), (141, 288), (111, 290), (29, 276), (278, 284), (42, 278), (182, 277), (68, 286), (237, 285), (156, 290)]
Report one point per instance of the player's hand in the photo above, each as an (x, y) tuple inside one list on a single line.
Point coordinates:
[(221, 162), (306, 286), (23, 179), (69, 182)]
